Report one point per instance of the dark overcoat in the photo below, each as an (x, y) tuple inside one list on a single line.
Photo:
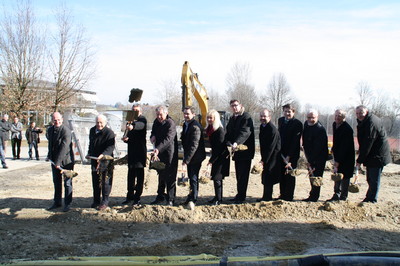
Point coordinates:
[(219, 155), (290, 132), (137, 149), (343, 148), (270, 147), (192, 138), (166, 141), (60, 149)]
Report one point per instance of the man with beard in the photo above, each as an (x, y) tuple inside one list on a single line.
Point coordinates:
[(240, 130), (315, 143), (194, 151), (343, 154), (163, 136), (374, 151), (290, 130), (270, 146)]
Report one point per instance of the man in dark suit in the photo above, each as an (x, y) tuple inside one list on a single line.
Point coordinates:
[(194, 151), (62, 156), (101, 143), (270, 148), (137, 150), (343, 154), (315, 143), (290, 130), (240, 130), (163, 136)]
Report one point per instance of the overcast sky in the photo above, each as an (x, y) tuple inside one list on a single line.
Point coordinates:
[(324, 48)]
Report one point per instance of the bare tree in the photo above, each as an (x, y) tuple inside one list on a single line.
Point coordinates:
[(364, 93), (71, 59), (278, 94), (22, 50), (170, 94), (240, 88)]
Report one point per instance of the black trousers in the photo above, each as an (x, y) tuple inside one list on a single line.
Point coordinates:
[(135, 183), (218, 189), (341, 187), (167, 180), (16, 147), (242, 169), (57, 181), (102, 183), (315, 191), (287, 186)]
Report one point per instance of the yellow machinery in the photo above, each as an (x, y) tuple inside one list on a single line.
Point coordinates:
[(191, 86)]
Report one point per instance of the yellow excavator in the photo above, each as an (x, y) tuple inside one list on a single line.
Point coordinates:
[(191, 86)]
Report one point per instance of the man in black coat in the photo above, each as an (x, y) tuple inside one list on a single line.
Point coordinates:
[(315, 143), (270, 147), (240, 130), (194, 151), (137, 151), (343, 154), (290, 130), (32, 135), (61, 154), (101, 143), (5, 127), (163, 136), (374, 150)]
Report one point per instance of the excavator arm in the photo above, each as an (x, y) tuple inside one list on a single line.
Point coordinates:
[(191, 86)]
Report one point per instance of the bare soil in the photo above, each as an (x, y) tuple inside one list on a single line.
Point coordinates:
[(28, 231)]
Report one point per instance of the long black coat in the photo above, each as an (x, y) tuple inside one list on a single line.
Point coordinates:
[(290, 133), (60, 146), (315, 143), (194, 150), (270, 147), (137, 149), (240, 129), (343, 148), (32, 134), (374, 150), (166, 141), (102, 142), (219, 155)]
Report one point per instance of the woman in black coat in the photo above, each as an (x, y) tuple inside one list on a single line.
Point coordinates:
[(219, 154)]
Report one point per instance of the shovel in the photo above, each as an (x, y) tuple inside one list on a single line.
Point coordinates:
[(290, 169), (66, 173)]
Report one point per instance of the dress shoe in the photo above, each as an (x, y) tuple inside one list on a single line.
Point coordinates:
[(102, 207), (157, 201), (212, 200), (126, 202), (216, 203), (334, 198), (136, 203), (94, 205), (66, 208), (54, 206), (170, 203), (37, 159), (310, 200), (233, 199), (30, 158), (5, 166), (14, 158)]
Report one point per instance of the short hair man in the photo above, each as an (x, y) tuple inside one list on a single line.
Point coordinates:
[(270, 149), (194, 151), (62, 157), (137, 151), (32, 137), (101, 143), (5, 127), (290, 130), (315, 143), (16, 138), (343, 154), (240, 130), (163, 136), (374, 150)]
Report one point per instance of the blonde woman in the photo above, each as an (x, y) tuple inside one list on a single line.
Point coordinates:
[(219, 159)]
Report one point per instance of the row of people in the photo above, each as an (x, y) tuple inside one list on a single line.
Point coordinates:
[(32, 135), (279, 148)]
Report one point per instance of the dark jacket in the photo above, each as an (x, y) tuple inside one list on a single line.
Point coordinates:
[(315, 143), (102, 142), (166, 140), (5, 127), (219, 155), (374, 150), (240, 129), (137, 149), (290, 133), (270, 147), (60, 146), (343, 148), (194, 151), (32, 134)]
